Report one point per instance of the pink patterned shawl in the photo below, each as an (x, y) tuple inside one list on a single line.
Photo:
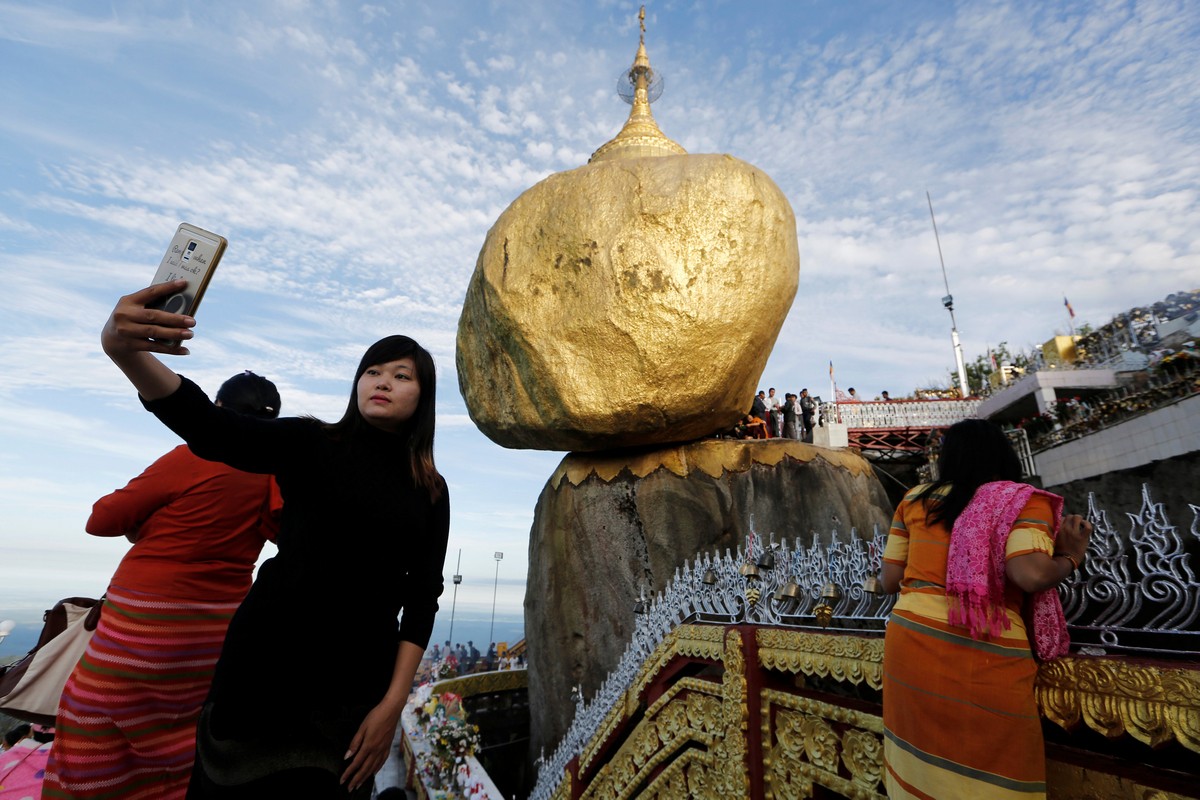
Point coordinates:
[(975, 569)]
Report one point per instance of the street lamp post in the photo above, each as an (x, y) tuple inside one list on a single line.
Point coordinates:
[(498, 556), (454, 602)]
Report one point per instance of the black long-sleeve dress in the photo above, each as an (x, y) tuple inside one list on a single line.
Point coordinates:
[(313, 647)]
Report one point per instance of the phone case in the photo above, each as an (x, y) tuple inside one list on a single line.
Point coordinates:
[(193, 254)]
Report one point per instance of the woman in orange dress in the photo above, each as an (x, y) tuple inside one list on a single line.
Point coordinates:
[(959, 714)]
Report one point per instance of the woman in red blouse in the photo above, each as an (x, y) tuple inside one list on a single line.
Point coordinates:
[(127, 718)]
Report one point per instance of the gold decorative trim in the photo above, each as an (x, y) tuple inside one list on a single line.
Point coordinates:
[(809, 742), (620, 712), (805, 741), (712, 715), (713, 457), (1153, 704), (808, 705), (697, 689), (508, 680), (566, 786), (690, 712), (694, 685), (854, 659), (691, 641), (730, 776), (686, 776)]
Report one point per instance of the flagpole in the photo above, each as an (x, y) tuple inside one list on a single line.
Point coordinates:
[(837, 413), (948, 302)]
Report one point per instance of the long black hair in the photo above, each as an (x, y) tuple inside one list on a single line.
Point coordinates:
[(974, 452), (418, 430)]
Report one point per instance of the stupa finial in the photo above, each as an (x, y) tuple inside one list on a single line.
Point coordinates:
[(639, 86)]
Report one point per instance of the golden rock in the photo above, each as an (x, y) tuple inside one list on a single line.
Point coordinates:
[(627, 302)]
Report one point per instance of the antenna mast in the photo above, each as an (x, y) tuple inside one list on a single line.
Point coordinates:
[(948, 302)]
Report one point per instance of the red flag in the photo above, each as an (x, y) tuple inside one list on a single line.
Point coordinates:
[(1070, 310)]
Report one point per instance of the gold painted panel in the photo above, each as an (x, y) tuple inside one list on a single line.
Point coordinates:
[(852, 659), (695, 732), (690, 641), (808, 742), (508, 680), (1153, 704)]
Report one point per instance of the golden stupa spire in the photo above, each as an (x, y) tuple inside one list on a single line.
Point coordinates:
[(640, 137)]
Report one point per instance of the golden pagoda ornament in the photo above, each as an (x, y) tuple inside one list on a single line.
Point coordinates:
[(640, 137)]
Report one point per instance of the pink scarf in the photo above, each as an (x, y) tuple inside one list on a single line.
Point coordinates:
[(975, 568)]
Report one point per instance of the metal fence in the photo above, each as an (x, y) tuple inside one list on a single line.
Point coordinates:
[(1136, 593), (901, 413)]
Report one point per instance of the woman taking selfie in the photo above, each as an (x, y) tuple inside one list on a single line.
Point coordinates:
[(315, 669), (973, 554)]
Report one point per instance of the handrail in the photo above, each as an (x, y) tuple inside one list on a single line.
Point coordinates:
[(902, 413)]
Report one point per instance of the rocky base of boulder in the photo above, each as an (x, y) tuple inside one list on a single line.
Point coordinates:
[(607, 526)]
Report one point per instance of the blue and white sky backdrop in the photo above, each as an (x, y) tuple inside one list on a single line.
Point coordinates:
[(356, 153)]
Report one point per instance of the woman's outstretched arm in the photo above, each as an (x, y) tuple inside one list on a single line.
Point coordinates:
[(133, 333)]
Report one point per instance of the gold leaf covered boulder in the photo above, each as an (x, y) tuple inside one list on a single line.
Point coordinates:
[(631, 301)]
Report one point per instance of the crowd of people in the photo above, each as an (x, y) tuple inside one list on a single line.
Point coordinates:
[(444, 661), (793, 417)]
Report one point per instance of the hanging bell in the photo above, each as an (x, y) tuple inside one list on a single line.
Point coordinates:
[(789, 591), (831, 592), (872, 585), (767, 560), (710, 577), (749, 570)]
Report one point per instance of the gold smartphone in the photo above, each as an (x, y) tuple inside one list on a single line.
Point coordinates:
[(193, 254)]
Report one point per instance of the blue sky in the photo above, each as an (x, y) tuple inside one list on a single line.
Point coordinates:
[(355, 155)]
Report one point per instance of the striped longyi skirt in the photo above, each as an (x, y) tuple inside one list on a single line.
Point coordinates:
[(126, 723)]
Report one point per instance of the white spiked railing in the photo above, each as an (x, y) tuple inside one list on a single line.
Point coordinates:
[(1136, 593)]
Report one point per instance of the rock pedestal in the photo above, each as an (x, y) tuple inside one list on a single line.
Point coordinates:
[(607, 526)]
